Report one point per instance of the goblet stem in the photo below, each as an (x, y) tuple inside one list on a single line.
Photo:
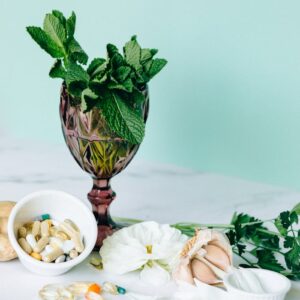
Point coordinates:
[(101, 196)]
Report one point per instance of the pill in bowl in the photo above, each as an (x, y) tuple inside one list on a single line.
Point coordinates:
[(52, 231), (51, 241)]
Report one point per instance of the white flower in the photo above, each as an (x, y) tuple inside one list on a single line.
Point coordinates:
[(148, 246)]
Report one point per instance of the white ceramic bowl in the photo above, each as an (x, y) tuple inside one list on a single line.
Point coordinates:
[(60, 206), (276, 284)]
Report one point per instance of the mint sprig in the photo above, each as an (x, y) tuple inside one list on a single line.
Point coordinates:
[(114, 85)]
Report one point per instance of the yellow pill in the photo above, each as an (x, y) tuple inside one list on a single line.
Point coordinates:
[(22, 232), (36, 255), (45, 228), (25, 245), (53, 230), (29, 225), (36, 228), (62, 235)]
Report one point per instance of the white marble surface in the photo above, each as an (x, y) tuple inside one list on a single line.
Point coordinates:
[(144, 190)]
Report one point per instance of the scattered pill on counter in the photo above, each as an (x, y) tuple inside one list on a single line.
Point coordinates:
[(94, 287), (121, 290), (110, 288), (49, 241), (80, 290), (96, 262)]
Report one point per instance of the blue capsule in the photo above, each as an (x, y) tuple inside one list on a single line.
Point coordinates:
[(121, 290)]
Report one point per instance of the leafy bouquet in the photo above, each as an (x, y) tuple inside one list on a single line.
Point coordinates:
[(114, 84)]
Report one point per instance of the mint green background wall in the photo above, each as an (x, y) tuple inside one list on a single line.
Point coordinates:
[(229, 100)]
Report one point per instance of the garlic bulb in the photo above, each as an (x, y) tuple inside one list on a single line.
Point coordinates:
[(207, 257), (6, 250)]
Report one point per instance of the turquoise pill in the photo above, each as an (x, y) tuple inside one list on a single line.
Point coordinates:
[(121, 290), (45, 217)]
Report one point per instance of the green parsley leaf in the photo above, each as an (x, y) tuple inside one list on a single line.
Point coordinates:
[(296, 209), (45, 41), (294, 217), (122, 119), (292, 257), (267, 260)]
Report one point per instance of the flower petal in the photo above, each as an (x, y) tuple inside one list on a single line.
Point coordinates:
[(127, 249), (155, 275)]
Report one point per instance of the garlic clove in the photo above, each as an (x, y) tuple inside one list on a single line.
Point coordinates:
[(220, 240), (203, 273), (217, 257), (6, 250), (183, 272)]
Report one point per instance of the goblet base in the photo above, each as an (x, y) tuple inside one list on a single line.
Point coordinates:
[(101, 196)]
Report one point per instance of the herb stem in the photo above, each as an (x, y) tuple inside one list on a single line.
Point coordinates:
[(244, 258), (268, 232), (197, 225), (265, 247)]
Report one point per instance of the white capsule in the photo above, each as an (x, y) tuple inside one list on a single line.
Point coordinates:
[(52, 256), (110, 288), (60, 259), (56, 242), (74, 234), (68, 246), (48, 248), (31, 240)]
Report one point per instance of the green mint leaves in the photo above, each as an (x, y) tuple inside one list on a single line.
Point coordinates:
[(122, 119), (45, 42), (115, 85)]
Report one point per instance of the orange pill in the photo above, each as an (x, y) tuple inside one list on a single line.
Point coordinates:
[(95, 288)]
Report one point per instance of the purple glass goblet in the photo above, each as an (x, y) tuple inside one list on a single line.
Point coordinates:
[(99, 152)]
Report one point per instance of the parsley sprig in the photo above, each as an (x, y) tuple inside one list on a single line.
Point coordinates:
[(272, 244), (114, 85)]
